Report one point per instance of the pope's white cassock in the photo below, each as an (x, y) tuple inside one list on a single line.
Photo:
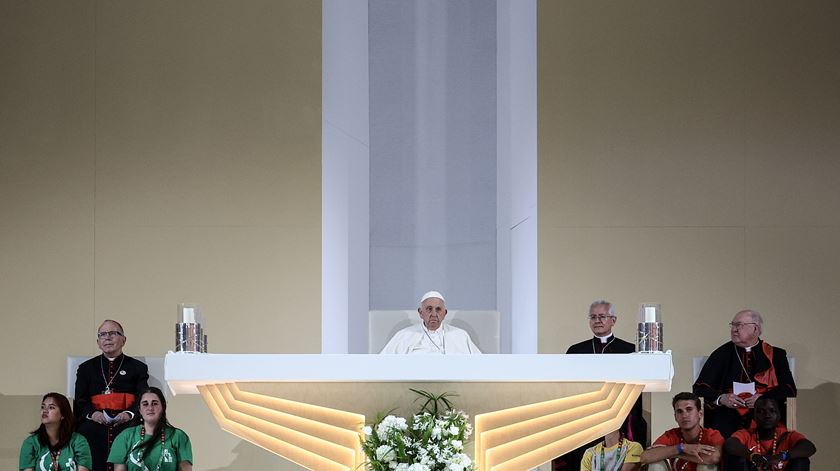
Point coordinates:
[(418, 339)]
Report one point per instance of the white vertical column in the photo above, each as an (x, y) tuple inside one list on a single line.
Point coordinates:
[(517, 173), (345, 174)]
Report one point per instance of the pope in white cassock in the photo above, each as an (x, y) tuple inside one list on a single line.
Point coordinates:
[(431, 336)]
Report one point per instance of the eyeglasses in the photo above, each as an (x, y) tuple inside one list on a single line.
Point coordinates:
[(738, 325), (109, 333), (593, 317)]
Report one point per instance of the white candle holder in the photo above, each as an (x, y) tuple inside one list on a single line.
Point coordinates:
[(189, 332), (649, 338)]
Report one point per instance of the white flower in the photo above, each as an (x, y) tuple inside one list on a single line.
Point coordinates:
[(430, 442), (462, 460), (385, 453), (388, 424)]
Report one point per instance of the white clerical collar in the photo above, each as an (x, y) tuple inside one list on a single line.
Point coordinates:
[(749, 349), (605, 338), (439, 330)]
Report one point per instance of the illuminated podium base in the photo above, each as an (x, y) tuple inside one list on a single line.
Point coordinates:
[(526, 409)]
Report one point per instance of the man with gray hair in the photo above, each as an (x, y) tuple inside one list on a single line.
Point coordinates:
[(739, 372), (108, 389), (431, 335), (602, 317)]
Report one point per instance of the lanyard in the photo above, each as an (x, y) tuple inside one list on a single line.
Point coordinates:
[(619, 456), (55, 457)]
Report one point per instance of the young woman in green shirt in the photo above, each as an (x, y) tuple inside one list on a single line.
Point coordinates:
[(54, 446), (154, 445)]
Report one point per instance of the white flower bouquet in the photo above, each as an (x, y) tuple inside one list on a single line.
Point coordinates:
[(432, 441)]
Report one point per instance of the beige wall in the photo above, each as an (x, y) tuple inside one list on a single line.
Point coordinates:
[(160, 152), (689, 155), (153, 153)]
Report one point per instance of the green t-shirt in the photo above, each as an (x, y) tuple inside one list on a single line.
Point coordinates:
[(36, 456), (125, 450)]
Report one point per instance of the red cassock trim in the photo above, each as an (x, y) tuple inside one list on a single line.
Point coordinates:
[(113, 401)]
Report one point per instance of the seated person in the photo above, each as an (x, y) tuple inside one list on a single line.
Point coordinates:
[(601, 318), (54, 445), (767, 444), (154, 444), (614, 453), (432, 336), (748, 362), (688, 447)]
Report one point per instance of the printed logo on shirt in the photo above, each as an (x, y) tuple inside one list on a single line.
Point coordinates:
[(45, 464)]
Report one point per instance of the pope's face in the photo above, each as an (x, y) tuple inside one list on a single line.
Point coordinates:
[(432, 311)]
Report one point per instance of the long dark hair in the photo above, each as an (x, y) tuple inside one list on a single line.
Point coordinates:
[(65, 427), (162, 424)]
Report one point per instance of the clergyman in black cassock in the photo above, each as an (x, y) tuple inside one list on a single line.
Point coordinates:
[(602, 318), (744, 359), (106, 396)]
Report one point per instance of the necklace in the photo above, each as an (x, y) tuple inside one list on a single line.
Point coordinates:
[(162, 440), (683, 440), (743, 368), (443, 336), (605, 346), (761, 450), (55, 457), (104, 379), (619, 456)]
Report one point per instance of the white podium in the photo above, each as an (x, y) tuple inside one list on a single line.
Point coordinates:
[(310, 408)]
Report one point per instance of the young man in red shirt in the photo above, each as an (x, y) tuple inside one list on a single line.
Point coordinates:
[(768, 445), (689, 447)]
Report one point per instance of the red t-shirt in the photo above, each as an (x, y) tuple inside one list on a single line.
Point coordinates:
[(749, 438), (673, 437)]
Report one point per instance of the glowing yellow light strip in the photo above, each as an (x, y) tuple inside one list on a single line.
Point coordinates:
[(293, 429), (527, 436), (496, 427), (313, 445), (321, 414), (544, 445)]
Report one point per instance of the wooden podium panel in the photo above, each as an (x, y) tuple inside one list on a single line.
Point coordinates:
[(526, 409)]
